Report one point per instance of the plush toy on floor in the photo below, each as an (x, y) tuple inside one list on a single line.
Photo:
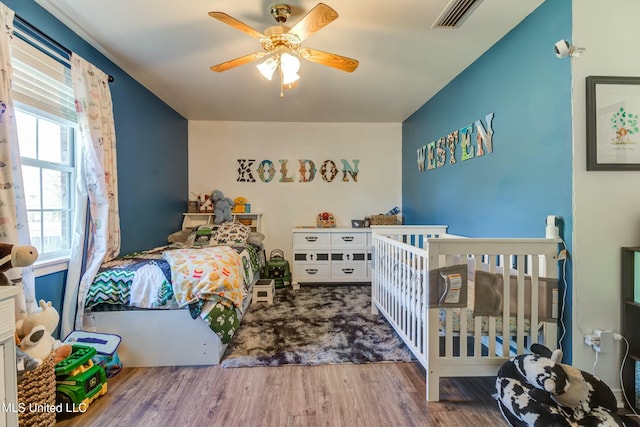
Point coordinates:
[(221, 207), (536, 390)]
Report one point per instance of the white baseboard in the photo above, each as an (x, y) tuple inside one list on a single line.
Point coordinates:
[(617, 392)]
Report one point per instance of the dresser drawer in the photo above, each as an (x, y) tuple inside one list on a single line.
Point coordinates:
[(349, 271), (312, 272), (348, 256), (311, 239), (311, 256), (348, 240)]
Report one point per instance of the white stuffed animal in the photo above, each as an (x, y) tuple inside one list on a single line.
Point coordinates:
[(34, 331), (38, 344)]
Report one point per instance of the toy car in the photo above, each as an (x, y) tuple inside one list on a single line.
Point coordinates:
[(78, 381)]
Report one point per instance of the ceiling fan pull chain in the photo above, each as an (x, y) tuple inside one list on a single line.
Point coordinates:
[(281, 81)]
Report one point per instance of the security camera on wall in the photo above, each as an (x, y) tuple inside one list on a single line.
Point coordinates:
[(563, 49)]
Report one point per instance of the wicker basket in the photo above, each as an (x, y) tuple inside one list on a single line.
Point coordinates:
[(37, 395), (384, 220)]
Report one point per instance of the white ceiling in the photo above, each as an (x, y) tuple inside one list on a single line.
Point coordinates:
[(168, 46)]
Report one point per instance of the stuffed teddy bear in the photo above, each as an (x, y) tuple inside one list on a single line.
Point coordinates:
[(536, 390), (15, 256), (221, 207), (239, 203)]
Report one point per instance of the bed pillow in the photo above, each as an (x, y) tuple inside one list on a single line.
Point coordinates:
[(232, 233)]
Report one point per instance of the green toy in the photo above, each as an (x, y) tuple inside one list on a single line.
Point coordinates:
[(78, 381), (277, 268)]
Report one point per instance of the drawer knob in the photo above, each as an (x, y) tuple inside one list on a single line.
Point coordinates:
[(311, 238), (347, 238), (311, 270)]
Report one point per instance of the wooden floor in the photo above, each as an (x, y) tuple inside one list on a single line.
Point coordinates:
[(380, 394)]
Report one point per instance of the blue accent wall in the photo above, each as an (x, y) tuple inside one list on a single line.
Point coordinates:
[(50, 287), (151, 141), (510, 192)]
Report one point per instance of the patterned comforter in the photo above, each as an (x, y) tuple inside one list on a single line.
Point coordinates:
[(211, 281)]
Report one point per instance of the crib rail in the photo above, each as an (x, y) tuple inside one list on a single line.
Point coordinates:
[(402, 260)]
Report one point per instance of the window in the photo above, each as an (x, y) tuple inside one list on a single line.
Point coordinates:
[(46, 148), (46, 126)]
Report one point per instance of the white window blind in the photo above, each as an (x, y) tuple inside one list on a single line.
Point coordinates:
[(41, 81)]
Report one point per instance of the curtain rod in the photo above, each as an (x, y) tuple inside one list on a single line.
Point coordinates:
[(49, 39)]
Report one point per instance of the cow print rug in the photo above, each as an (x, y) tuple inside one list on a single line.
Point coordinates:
[(314, 325)]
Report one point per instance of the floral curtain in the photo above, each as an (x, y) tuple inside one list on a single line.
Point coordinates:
[(97, 184), (14, 226)]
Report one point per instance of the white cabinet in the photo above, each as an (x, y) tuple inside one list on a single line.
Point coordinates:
[(193, 219), (9, 385), (331, 255)]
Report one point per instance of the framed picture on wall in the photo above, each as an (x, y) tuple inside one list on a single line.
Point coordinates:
[(613, 132)]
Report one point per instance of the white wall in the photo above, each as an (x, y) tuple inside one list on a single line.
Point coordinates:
[(214, 148), (606, 204)]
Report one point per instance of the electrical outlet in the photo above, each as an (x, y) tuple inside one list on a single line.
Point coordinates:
[(593, 340), (601, 340), (563, 255)]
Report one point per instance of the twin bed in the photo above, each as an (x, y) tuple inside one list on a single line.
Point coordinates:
[(174, 305), (443, 294)]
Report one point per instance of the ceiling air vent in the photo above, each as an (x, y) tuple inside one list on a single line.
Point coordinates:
[(455, 13)]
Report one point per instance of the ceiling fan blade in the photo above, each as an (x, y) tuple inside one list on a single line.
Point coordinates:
[(229, 20), (316, 19), (331, 60), (237, 62)]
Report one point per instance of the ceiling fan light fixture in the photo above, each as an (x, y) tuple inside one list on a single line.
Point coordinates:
[(290, 66), (282, 44), (268, 67)]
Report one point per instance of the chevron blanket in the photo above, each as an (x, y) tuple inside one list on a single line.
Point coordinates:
[(141, 279), (212, 281)]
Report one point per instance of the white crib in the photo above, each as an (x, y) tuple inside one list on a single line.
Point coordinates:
[(407, 288)]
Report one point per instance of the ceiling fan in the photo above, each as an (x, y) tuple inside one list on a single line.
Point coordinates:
[(282, 45)]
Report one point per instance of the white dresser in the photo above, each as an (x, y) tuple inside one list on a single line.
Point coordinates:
[(331, 255), (8, 383)]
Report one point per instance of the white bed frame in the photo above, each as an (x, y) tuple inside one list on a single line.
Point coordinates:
[(162, 337), (403, 302)]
